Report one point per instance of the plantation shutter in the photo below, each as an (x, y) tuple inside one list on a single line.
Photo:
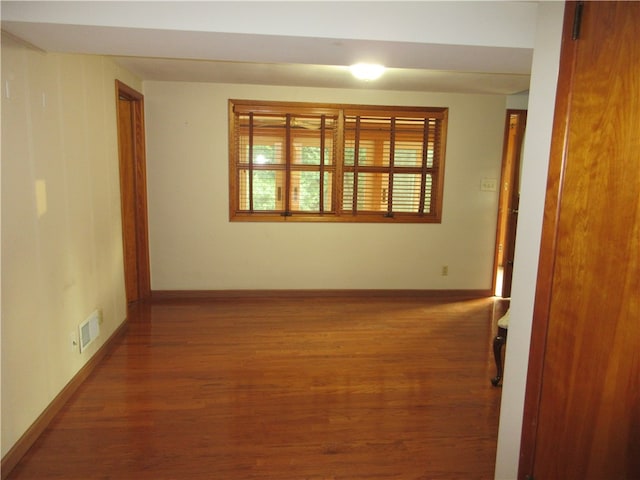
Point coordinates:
[(285, 161), (392, 162), (297, 161)]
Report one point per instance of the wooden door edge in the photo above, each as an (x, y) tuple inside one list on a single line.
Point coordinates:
[(542, 301)]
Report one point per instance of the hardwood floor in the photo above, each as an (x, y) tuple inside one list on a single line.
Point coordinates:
[(303, 388)]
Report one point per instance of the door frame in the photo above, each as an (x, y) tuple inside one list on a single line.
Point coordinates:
[(508, 198), (137, 272)]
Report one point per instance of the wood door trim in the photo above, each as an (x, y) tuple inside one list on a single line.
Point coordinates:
[(503, 202), (141, 220), (513, 205), (546, 264)]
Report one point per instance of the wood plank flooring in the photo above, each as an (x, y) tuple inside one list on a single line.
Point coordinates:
[(273, 388)]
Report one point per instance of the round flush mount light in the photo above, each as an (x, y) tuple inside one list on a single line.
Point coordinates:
[(366, 71)]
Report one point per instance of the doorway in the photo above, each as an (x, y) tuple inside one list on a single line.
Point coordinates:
[(515, 124), (133, 192)]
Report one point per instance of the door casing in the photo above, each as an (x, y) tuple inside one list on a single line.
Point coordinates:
[(133, 192), (515, 124)]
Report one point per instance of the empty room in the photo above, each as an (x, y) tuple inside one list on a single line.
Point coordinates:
[(229, 253)]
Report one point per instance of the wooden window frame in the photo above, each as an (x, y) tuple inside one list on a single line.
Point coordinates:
[(435, 128)]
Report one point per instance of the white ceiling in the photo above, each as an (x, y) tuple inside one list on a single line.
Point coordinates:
[(488, 45)]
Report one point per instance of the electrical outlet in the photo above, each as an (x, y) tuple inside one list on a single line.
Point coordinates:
[(445, 270)]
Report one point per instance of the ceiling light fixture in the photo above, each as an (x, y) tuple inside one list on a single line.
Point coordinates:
[(367, 71)]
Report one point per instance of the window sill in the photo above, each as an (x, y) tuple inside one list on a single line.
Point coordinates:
[(334, 218)]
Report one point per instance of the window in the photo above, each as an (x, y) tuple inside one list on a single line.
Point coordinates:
[(341, 163)]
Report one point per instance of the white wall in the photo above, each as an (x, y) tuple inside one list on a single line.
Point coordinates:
[(519, 101), (61, 230), (194, 246), (534, 180), (440, 22)]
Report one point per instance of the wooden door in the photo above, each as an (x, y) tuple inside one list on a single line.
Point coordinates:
[(133, 192), (582, 409), (509, 198)]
